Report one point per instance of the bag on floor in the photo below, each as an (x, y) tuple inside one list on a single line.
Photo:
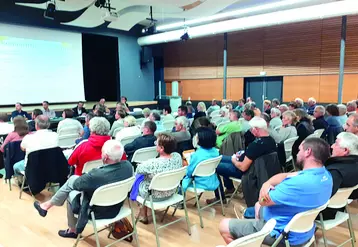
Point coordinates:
[(122, 228)]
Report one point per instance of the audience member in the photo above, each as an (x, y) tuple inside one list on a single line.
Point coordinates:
[(21, 129), (351, 107), (168, 160), (155, 117), (352, 124), (113, 170), (146, 113), (99, 110), (146, 140), (167, 112), (283, 108), (223, 103), (300, 103), (41, 139), (267, 106), (86, 130), (275, 103), (214, 107), (292, 106), (5, 127), (206, 140), (236, 165), (240, 105), (248, 114), (229, 107), (275, 118), (201, 110), (130, 129), (182, 111), (46, 111), (226, 130), (69, 123), (311, 106), (332, 118), (342, 109), (190, 108), (31, 123), (79, 110), (266, 117), (120, 107), (181, 132), (91, 149), (285, 195), (319, 122), (119, 123), (304, 128), (102, 102), (19, 112), (288, 128), (124, 101)]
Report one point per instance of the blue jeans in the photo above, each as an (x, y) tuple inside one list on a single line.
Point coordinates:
[(226, 169), (19, 167)]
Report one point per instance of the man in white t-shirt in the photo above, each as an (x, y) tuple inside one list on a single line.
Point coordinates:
[(43, 138), (69, 123), (167, 112)]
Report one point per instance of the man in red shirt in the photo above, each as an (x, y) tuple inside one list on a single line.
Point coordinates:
[(91, 149)]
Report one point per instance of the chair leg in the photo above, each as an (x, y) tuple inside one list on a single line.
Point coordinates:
[(154, 220), (278, 240), (350, 227), (186, 211), (77, 240), (198, 199), (137, 218), (323, 230), (198, 205), (95, 229), (233, 194), (9, 183), (222, 203), (164, 214), (133, 222), (22, 186)]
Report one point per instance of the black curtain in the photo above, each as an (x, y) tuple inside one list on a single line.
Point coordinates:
[(100, 67)]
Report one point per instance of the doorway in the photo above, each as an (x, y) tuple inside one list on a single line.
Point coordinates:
[(262, 88)]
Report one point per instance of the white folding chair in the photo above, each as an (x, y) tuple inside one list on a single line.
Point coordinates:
[(163, 182), (205, 168), (319, 132), (300, 223), (68, 131), (116, 131), (128, 139), (169, 124), (216, 120), (144, 154), (139, 121), (238, 181), (67, 141), (91, 165), (339, 200), (313, 135), (288, 144), (215, 113), (109, 195), (137, 109), (255, 239)]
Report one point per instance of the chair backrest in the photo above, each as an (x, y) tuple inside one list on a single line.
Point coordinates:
[(137, 109), (144, 154), (68, 131), (215, 113), (277, 128), (67, 141), (139, 121), (313, 135), (319, 132), (112, 194), (169, 180), (222, 124), (116, 130), (169, 124), (128, 139), (303, 222), (207, 167), (288, 144), (255, 239), (340, 199), (216, 119), (91, 164)]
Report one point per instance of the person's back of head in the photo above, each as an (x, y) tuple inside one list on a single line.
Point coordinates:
[(346, 144), (20, 126), (129, 121), (299, 102), (167, 109), (121, 114), (146, 112), (149, 128), (351, 106), (100, 110), (112, 152), (342, 109), (248, 114), (302, 115), (206, 137), (67, 113), (42, 122), (99, 126), (313, 152), (258, 127), (166, 144), (3, 117), (35, 113), (292, 105), (156, 116), (89, 116), (332, 110), (275, 102), (275, 112), (265, 117), (235, 115), (182, 110)]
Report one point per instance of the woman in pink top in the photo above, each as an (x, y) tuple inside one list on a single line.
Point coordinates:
[(21, 129)]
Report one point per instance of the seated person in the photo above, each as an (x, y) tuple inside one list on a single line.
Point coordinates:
[(181, 133), (21, 129), (168, 160), (247, 114), (19, 112), (31, 123), (201, 107), (304, 128), (319, 122), (233, 126), (206, 140), (214, 107), (351, 125), (46, 111), (69, 123), (343, 166), (119, 123), (146, 140), (183, 111), (342, 109), (285, 195), (130, 129), (5, 126), (275, 121), (42, 138), (236, 165), (124, 101), (155, 117), (102, 103), (86, 130), (79, 110), (240, 105), (146, 112), (113, 170), (190, 108), (120, 107), (90, 149), (287, 130), (167, 112), (267, 106)]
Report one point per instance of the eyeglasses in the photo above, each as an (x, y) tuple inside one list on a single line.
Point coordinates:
[(156, 143)]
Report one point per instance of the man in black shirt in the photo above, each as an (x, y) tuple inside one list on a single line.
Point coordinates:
[(319, 122), (237, 165)]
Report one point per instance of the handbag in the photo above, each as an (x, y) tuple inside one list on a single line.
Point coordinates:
[(121, 229)]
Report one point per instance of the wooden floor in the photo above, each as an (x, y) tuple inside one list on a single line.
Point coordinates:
[(21, 226)]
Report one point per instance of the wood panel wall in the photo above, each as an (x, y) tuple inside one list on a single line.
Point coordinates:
[(306, 54)]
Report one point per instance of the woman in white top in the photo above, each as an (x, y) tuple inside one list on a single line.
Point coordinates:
[(130, 129), (119, 123)]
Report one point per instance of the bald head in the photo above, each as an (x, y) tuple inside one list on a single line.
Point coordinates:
[(42, 122)]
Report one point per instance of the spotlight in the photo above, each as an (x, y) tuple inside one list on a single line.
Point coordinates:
[(185, 37), (50, 10), (150, 30), (100, 3)]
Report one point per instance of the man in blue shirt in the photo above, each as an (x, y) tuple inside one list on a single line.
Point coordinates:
[(19, 112), (287, 194)]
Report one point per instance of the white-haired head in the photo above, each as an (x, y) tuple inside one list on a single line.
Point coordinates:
[(346, 144), (181, 123), (99, 126), (319, 111), (311, 101), (299, 102), (275, 112), (129, 121), (258, 123), (342, 109), (351, 106), (112, 152)]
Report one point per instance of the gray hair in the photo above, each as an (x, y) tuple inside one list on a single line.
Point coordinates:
[(114, 149), (182, 121), (156, 115), (352, 105), (321, 109), (249, 105), (276, 111), (348, 141), (42, 122), (99, 125), (299, 102), (342, 109), (355, 119), (284, 106), (313, 100), (146, 112), (130, 120)]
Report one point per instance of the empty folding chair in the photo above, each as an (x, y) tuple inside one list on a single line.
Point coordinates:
[(163, 182), (339, 200), (128, 139), (215, 113), (205, 168), (91, 165), (300, 223), (255, 239), (67, 141), (144, 154), (169, 124), (137, 109), (110, 195), (288, 144)]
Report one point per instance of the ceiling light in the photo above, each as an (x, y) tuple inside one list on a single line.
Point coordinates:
[(234, 13), (185, 37), (50, 10)]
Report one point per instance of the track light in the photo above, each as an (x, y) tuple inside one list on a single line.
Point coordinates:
[(50, 10), (185, 37), (100, 3)]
